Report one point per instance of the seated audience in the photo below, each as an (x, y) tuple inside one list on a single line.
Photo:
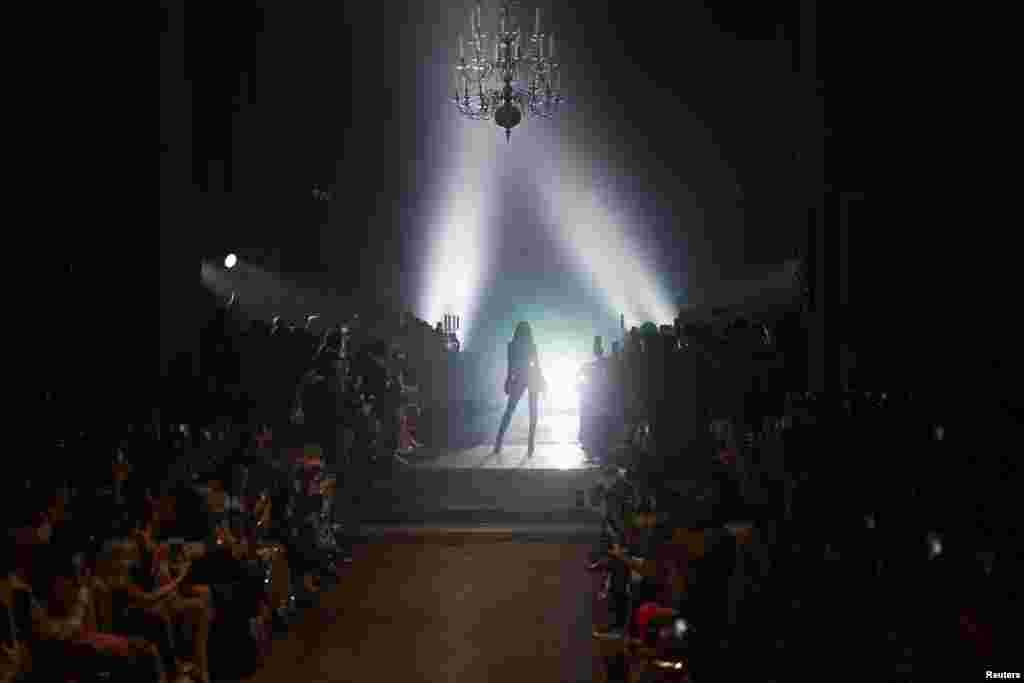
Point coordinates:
[(298, 538), (67, 626), (228, 562), (54, 634), (152, 594)]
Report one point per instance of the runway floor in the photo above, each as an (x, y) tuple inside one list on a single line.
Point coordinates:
[(447, 607), (471, 567), (556, 445)]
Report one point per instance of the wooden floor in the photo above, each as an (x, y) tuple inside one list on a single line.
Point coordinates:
[(447, 607)]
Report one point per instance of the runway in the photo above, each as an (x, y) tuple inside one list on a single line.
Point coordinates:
[(471, 442), (470, 485), (470, 567), (446, 607)]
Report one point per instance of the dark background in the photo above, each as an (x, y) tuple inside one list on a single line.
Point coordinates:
[(812, 112)]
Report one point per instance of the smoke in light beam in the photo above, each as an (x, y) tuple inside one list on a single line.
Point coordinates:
[(460, 249), (604, 240)]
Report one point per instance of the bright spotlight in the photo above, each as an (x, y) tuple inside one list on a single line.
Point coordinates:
[(460, 250), (230, 261), (562, 375)]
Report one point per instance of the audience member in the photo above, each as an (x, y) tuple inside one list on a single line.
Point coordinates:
[(153, 594)]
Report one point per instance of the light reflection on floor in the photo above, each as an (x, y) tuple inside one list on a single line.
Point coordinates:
[(562, 456), (557, 447), (564, 452), (563, 428)]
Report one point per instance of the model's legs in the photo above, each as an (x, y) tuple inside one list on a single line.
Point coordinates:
[(533, 401), (513, 400)]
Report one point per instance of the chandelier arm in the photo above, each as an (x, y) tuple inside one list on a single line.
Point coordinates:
[(511, 83)]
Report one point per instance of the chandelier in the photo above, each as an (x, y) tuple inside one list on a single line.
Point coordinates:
[(507, 76)]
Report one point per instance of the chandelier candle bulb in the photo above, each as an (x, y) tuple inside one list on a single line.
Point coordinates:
[(537, 22), (551, 49), (462, 50)]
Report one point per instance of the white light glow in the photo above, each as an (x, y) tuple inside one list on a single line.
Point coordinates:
[(230, 261), (563, 427), (562, 375), (563, 456), (560, 417), (602, 239), (459, 251)]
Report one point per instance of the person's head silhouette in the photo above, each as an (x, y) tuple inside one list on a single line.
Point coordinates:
[(523, 333)]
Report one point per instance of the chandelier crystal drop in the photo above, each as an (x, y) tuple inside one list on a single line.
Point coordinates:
[(507, 75)]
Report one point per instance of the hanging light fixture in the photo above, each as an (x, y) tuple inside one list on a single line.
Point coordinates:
[(508, 75)]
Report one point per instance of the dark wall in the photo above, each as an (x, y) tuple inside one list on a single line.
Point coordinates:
[(254, 104), (288, 128)]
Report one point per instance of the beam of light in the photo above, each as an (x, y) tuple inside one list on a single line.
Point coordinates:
[(597, 223), (263, 295), (215, 279), (460, 247), (602, 240)]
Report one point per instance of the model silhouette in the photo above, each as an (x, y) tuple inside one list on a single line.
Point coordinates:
[(524, 374)]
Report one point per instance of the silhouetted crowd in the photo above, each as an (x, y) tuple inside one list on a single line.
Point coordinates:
[(748, 523), (170, 545), (167, 561), (263, 374)]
